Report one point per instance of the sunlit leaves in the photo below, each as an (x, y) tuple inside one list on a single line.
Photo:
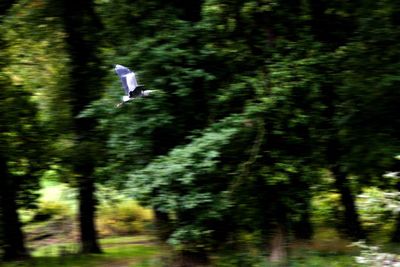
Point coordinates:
[(37, 60)]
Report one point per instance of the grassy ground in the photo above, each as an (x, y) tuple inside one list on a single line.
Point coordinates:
[(316, 253), (118, 252), (326, 250), (310, 258), (143, 251)]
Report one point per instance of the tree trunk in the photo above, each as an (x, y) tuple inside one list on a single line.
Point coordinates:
[(87, 214), (11, 233), (162, 224), (278, 245), (334, 155), (82, 27), (396, 234), (191, 259), (351, 219), (5, 5), (303, 228)]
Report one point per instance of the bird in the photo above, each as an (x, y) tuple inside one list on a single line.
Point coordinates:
[(130, 85)]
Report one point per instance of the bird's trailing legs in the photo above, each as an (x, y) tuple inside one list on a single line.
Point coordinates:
[(148, 92)]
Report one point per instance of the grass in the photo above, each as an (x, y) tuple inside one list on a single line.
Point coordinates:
[(326, 250), (309, 259), (118, 251), (126, 240), (316, 259), (143, 251)]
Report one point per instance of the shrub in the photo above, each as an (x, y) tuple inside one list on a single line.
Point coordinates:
[(374, 208), (326, 206), (51, 210), (124, 217)]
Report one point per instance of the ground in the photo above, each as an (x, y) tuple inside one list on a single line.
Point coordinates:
[(144, 251), (130, 251), (54, 242)]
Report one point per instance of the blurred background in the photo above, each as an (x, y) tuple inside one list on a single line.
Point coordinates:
[(273, 140)]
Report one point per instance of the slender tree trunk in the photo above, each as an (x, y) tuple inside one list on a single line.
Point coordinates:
[(278, 245), (162, 225), (396, 234), (11, 232), (278, 229), (303, 228), (334, 152), (351, 219)]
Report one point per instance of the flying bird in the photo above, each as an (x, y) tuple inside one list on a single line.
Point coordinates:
[(130, 85)]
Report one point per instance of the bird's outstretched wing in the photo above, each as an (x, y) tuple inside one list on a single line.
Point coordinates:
[(131, 81), (122, 73)]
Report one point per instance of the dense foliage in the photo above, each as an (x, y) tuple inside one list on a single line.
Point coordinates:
[(262, 106)]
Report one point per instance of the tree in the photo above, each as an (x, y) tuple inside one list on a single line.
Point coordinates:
[(365, 133), (205, 80), (289, 69), (82, 27), (20, 157)]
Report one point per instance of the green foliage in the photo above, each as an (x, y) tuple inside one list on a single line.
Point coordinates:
[(38, 62), (276, 76), (187, 185)]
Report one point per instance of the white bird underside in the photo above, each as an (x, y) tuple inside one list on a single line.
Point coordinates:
[(131, 81)]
